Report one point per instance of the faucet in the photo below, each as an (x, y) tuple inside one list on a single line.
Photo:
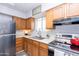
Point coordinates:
[(39, 33)]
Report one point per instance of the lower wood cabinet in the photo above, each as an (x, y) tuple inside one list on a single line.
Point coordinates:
[(29, 47), (18, 49), (43, 50), (19, 44), (35, 48)]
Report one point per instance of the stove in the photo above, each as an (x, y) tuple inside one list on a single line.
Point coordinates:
[(62, 42)]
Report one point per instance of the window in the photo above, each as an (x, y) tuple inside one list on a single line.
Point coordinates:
[(36, 10), (40, 24)]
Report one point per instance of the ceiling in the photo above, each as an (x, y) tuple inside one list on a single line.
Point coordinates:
[(23, 7)]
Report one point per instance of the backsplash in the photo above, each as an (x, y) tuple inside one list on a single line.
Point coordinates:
[(22, 32), (70, 29), (51, 34), (19, 32)]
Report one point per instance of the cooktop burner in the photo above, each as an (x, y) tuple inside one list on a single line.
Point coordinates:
[(65, 46)]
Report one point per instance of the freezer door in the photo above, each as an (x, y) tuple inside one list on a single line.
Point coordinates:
[(7, 25), (7, 45)]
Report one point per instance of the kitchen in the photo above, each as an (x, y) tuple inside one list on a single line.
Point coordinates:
[(39, 29)]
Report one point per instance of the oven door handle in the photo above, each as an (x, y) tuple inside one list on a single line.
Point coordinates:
[(51, 48)]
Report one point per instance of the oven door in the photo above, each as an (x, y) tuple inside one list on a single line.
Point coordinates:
[(50, 51)]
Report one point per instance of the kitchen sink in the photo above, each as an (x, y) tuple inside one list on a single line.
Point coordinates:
[(40, 38)]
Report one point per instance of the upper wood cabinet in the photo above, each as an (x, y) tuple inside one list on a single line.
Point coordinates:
[(55, 14), (62, 11), (49, 19), (24, 24), (20, 23), (72, 9), (29, 23), (59, 12)]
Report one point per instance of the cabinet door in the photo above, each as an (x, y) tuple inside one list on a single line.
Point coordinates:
[(43, 52), (43, 49), (49, 19), (30, 23), (73, 9), (23, 24), (59, 12), (25, 45), (18, 49), (18, 23), (35, 48), (29, 47), (19, 44)]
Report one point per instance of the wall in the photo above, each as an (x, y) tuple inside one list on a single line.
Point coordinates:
[(9, 11)]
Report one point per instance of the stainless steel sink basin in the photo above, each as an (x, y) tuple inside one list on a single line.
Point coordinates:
[(40, 38)]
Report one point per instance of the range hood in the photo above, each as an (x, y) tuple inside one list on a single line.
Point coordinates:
[(67, 21)]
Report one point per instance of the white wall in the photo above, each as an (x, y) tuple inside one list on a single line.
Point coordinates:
[(9, 11)]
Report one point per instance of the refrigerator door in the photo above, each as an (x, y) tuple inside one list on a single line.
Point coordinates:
[(7, 45), (7, 25)]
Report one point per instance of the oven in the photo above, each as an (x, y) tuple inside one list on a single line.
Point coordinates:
[(50, 51)]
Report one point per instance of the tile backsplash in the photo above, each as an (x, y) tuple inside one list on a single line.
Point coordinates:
[(72, 29), (20, 32)]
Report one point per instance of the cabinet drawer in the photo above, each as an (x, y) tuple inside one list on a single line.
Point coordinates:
[(19, 49), (19, 45), (43, 45), (19, 42), (29, 40), (43, 52), (35, 43), (19, 38)]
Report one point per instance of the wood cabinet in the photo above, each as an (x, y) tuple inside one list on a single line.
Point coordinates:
[(35, 48), (24, 24), (29, 49), (20, 23), (55, 14), (28, 46), (72, 9), (49, 19), (43, 50), (59, 12), (19, 44), (65, 10), (25, 45), (30, 23)]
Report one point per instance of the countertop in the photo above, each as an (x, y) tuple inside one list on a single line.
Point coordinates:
[(46, 41)]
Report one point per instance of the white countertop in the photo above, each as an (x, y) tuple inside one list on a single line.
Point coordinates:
[(47, 41)]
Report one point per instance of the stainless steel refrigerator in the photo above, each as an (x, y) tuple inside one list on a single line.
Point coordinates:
[(7, 36)]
